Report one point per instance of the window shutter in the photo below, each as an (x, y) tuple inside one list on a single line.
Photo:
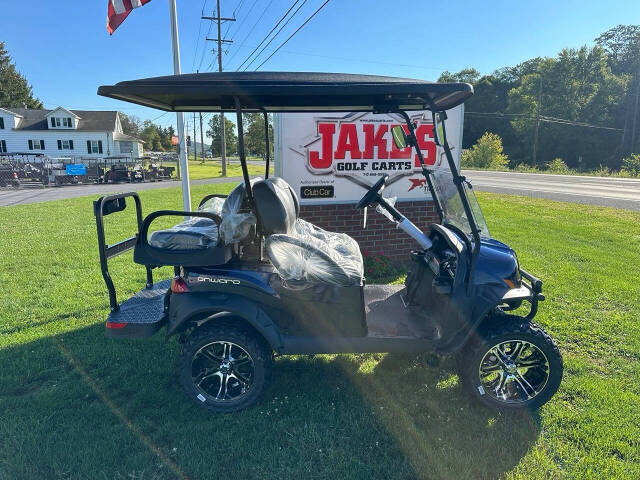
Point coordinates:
[(41, 144), (69, 120), (71, 144), (99, 146), (1, 123), (53, 122), (30, 144), (89, 146), (59, 144)]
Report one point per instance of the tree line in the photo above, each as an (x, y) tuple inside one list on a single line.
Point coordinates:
[(583, 103)]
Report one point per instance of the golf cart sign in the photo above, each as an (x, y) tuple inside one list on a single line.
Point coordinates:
[(332, 158)]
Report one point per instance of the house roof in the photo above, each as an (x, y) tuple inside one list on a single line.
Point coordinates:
[(9, 111), (117, 136), (89, 121), (69, 112)]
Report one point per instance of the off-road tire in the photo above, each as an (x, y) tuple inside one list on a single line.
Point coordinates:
[(500, 328), (252, 343)]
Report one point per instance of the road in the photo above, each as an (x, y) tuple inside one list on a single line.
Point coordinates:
[(10, 196), (605, 191)]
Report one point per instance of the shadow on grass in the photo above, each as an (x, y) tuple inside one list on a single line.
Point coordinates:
[(82, 406)]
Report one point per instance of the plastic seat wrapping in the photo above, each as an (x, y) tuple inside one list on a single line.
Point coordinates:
[(311, 255), (201, 233)]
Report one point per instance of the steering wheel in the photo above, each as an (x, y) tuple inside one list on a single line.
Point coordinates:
[(370, 196)]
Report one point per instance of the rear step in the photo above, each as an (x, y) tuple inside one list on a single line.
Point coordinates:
[(140, 316)]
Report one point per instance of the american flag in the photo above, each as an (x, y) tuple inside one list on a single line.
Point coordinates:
[(118, 10)]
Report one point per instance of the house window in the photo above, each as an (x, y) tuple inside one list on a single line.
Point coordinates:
[(3, 146), (65, 144), (66, 122), (36, 144), (94, 146), (1, 123), (126, 147)]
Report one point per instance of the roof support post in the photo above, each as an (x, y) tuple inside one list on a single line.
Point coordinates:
[(266, 143), (242, 155)]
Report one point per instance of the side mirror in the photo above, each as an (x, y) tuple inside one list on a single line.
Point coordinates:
[(399, 137), (438, 127)]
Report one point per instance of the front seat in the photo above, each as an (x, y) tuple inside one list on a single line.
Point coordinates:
[(300, 251)]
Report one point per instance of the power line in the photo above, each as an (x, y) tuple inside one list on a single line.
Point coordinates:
[(276, 34), (259, 18), (195, 52), (270, 32), (543, 118), (293, 34), (240, 26)]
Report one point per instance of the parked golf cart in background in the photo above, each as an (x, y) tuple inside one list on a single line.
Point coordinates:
[(8, 172), (252, 278)]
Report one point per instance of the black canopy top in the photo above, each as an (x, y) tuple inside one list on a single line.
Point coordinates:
[(287, 92)]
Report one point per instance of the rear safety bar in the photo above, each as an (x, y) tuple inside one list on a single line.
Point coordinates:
[(106, 206)]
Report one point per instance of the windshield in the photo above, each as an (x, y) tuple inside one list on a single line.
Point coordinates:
[(452, 207)]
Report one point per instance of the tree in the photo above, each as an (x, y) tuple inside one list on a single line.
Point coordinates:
[(622, 44), (577, 86), (130, 124), (467, 75), (15, 91), (254, 134), (230, 136)]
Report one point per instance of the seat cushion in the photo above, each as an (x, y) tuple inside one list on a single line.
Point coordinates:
[(312, 255), (194, 234)]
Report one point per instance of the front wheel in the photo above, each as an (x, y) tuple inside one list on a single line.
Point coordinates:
[(224, 367), (514, 364)]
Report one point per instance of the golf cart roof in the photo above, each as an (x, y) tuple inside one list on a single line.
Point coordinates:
[(287, 92)]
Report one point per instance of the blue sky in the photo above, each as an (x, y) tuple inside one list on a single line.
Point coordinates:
[(66, 53)]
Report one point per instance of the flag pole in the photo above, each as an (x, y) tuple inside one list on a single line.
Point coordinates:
[(184, 166)]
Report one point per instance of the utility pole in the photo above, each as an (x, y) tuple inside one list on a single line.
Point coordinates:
[(220, 40), (535, 136), (201, 140), (195, 147)]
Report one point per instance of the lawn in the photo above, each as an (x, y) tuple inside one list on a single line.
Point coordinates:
[(213, 169), (75, 405)]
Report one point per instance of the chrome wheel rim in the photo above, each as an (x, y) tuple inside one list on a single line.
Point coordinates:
[(515, 371), (222, 371)]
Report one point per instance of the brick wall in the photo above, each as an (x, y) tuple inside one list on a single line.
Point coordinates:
[(381, 234)]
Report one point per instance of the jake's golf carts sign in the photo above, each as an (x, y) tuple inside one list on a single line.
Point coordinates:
[(332, 158)]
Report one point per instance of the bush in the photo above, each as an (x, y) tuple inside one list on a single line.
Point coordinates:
[(486, 153), (631, 165), (557, 165), (377, 266)]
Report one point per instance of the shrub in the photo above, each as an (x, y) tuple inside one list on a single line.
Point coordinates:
[(378, 266), (631, 165), (486, 153), (557, 165)]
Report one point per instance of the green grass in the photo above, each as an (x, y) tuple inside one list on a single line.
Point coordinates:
[(212, 169), (74, 404)]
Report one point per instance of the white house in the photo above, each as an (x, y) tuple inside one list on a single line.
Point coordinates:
[(66, 133)]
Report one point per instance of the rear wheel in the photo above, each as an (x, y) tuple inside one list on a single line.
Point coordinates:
[(224, 368), (513, 364)]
